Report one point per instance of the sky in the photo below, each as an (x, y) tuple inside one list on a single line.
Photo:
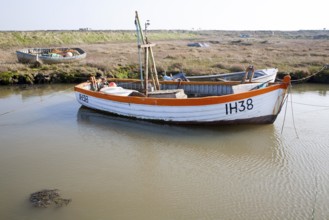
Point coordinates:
[(164, 14)]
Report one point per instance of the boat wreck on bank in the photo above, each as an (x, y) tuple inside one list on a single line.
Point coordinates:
[(181, 102), (50, 55)]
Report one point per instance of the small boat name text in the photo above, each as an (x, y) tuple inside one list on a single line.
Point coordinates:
[(240, 106), (83, 98)]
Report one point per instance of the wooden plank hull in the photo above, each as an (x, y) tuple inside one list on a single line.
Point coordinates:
[(254, 107)]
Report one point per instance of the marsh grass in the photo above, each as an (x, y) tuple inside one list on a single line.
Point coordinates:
[(59, 38), (115, 53)]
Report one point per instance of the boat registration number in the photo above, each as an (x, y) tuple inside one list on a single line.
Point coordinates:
[(83, 98), (239, 106)]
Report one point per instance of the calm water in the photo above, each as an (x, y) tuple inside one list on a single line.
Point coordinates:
[(114, 168)]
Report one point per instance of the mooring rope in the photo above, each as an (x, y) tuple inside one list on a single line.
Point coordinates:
[(315, 194), (26, 105), (4, 113), (290, 92), (285, 111), (326, 66), (292, 111), (320, 106), (293, 116)]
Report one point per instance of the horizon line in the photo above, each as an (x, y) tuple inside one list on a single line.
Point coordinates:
[(190, 30)]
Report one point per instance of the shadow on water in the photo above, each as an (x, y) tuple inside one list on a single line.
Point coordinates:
[(228, 138), (101, 119)]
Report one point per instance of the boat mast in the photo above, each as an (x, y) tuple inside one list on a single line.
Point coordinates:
[(149, 62), (139, 37)]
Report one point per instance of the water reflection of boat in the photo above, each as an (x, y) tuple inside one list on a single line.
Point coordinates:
[(99, 125), (233, 140), (102, 119)]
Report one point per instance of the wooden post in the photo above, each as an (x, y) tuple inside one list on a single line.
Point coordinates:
[(245, 76), (148, 59), (252, 74), (157, 84), (250, 68), (146, 70)]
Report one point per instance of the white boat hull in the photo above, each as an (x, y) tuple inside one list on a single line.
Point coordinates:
[(259, 106)]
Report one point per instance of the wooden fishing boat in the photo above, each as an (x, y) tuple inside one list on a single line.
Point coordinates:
[(50, 55), (184, 102), (204, 103)]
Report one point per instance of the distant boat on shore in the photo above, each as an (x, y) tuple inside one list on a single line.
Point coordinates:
[(50, 55), (262, 75)]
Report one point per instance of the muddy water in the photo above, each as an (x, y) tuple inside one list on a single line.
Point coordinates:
[(115, 168)]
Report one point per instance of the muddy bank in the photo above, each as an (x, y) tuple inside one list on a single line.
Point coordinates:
[(82, 73), (299, 54), (63, 73)]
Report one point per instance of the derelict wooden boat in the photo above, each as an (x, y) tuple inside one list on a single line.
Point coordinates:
[(262, 75), (50, 55), (184, 102)]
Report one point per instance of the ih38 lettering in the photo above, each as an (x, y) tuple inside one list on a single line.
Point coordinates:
[(239, 106)]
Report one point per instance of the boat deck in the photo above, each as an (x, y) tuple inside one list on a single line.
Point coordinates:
[(191, 89)]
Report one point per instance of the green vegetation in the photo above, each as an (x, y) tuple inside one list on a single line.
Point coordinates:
[(115, 53), (59, 38), (72, 73)]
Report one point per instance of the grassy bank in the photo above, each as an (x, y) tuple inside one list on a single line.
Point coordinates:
[(58, 38), (114, 53)]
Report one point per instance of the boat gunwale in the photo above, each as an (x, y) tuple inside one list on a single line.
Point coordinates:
[(192, 101)]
